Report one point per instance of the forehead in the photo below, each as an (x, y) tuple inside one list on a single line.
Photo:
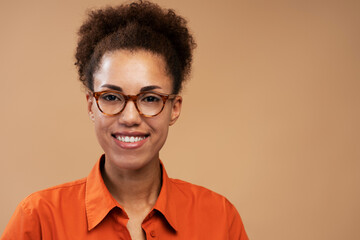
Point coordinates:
[(132, 70)]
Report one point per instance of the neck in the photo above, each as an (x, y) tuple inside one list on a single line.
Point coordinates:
[(134, 188)]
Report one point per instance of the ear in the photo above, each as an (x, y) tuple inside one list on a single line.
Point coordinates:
[(90, 99), (176, 109)]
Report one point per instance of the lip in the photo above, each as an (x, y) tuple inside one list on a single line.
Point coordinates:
[(130, 145)]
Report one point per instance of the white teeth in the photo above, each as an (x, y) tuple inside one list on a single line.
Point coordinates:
[(129, 139)]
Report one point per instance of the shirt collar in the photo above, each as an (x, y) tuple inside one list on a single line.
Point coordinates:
[(99, 201), (166, 202)]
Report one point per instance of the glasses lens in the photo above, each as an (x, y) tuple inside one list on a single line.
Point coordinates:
[(150, 103), (111, 103)]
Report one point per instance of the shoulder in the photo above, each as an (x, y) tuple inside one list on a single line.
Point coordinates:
[(201, 197), (208, 210), (54, 196), (190, 188), (39, 212)]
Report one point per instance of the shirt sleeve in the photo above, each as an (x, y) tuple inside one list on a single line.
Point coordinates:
[(23, 225), (236, 226)]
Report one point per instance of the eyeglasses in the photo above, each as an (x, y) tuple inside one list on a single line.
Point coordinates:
[(148, 104)]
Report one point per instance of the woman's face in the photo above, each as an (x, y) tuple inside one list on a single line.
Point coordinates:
[(132, 73)]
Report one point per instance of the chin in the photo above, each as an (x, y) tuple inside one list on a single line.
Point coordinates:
[(129, 162)]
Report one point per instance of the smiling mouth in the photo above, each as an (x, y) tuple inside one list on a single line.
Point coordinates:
[(130, 139)]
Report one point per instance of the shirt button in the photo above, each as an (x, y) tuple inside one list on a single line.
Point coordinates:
[(153, 234)]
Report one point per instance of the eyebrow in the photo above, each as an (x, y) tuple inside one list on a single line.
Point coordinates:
[(112, 87), (149, 88), (143, 89)]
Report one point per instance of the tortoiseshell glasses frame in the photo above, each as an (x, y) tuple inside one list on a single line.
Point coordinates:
[(148, 104)]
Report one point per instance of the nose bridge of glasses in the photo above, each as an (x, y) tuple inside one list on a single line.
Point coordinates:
[(133, 98)]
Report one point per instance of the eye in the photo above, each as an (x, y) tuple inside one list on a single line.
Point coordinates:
[(111, 97), (150, 99)]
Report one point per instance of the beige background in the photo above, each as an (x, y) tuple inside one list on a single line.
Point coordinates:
[(270, 119)]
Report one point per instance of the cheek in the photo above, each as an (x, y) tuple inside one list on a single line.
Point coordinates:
[(101, 125), (160, 124), (160, 131)]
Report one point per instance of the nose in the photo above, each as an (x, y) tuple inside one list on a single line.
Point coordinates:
[(130, 115)]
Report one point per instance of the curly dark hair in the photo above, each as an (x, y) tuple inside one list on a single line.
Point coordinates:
[(140, 25)]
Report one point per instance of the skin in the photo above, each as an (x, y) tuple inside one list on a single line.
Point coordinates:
[(132, 171)]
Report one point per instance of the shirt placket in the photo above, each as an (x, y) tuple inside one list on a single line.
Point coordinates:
[(120, 226), (149, 226)]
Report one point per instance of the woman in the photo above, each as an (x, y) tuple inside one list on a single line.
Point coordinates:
[(133, 60)]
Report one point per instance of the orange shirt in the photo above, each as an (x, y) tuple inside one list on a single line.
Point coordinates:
[(85, 209)]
